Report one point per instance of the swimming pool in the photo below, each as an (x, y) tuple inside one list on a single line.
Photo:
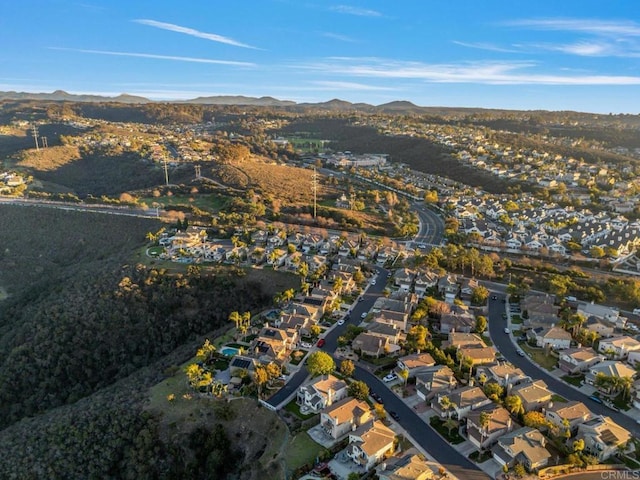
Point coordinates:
[(229, 351)]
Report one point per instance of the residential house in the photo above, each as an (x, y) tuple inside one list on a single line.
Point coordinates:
[(609, 368), (574, 412), (408, 467), (403, 278), (288, 321), (499, 423), (370, 443), (525, 445), (464, 400), (423, 281), (240, 364), (416, 363), (306, 309), (461, 339), (370, 344), (273, 344), (552, 337), (602, 312), (449, 288), (457, 322), (322, 392), (578, 360), (539, 310), (389, 331), (601, 327), (467, 286), (341, 417), (534, 395), (399, 319), (602, 437), (477, 354), (618, 348), (348, 248), (504, 374), (434, 380)]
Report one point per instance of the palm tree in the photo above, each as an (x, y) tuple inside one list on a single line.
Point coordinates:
[(513, 403), (404, 374), (484, 421)]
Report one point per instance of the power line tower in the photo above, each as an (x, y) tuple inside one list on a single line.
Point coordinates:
[(35, 136), (43, 142), (197, 167), (314, 183)]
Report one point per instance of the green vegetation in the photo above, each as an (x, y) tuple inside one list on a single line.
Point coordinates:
[(294, 408), (574, 380), (540, 356), (439, 425), (302, 451)]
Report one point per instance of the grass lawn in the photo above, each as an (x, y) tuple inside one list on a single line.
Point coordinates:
[(557, 398), (487, 340), (438, 424), (516, 320), (301, 451), (480, 458), (155, 251), (293, 407), (577, 381), (295, 358), (540, 356)]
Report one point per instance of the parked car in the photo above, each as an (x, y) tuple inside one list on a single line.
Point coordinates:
[(376, 397), (341, 321), (595, 399), (506, 330), (521, 353), (321, 342), (373, 282), (394, 415), (364, 315), (390, 377), (306, 345)]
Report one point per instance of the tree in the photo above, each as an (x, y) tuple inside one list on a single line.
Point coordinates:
[(353, 476), (315, 330), (481, 324), (578, 446), (347, 367), (513, 403), (358, 389), (320, 363), (494, 391), (519, 470), (479, 295), (484, 420), (534, 419), (206, 352), (381, 413), (260, 378), (404, 375), (417, 338)]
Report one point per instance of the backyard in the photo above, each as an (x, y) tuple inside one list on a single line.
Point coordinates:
[(302, 450)]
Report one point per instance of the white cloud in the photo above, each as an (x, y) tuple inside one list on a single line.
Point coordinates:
[(331, 85), (158, 57), (337, 36), (194, 33), (360, 12), (488, 73), (485, 46), (594, 27)]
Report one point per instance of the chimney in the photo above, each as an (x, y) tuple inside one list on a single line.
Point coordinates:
[(509, 424)]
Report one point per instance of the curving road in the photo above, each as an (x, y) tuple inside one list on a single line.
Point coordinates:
[(431, 226), (429, 440), (505, 346)]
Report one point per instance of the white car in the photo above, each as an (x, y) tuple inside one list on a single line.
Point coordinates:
[(506, 330), (341, 321), (306, 345), (390, 377), (364, 315), (373, 282)]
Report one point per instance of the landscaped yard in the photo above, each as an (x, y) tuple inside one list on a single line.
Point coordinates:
[(487, 340), (557, 398), (294, 408), (540, 356), (439, 425), (516, 320), (480, 458), (577, 380), (302, 451)]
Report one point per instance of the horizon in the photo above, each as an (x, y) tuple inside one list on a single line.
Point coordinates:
[(545, 56)]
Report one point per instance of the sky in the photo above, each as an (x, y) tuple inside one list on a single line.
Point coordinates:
[(580, 55)]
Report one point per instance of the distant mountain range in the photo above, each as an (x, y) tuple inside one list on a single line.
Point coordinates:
[(335, 104)]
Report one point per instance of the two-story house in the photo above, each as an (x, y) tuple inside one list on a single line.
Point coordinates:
[(578, 360), (410, 466), (484, 436), (552, 337), (619, 347), (416, 363), (370, 443), (464, 399), (435, 380), (322, 392), (602, 437), (339, 419), (504, 374), (608, 368), (534, 395), (573, 412), (526, 446)]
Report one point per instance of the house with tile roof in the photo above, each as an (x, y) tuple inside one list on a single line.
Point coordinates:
[(619, 346), (370, 443), (574, 412), (464, 399), (602, 437), (434, 380), (552, 337), (322, 392), (609, 368), (525, 445), (578, 360), (410, 466), (416, 363), (534, 395), (339, 418), (500, 422), (504, 374)]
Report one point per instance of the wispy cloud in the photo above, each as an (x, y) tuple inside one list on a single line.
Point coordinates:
[(486, 46), (488, 73), (591, 26), (194, 33), (337, 36), (330, 85), (158, 57), (360, 12)]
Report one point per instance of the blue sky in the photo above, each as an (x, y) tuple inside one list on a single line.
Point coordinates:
[(554, 55)]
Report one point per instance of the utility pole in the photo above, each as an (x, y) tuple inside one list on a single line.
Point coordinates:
[(197, 167), (35, 136), (314, 182), (166, 172)]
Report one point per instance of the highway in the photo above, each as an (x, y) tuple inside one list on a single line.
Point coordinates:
[(424, 435), (505, 346)]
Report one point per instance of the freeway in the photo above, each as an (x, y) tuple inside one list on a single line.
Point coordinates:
[(506, 347), (423, 434)]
